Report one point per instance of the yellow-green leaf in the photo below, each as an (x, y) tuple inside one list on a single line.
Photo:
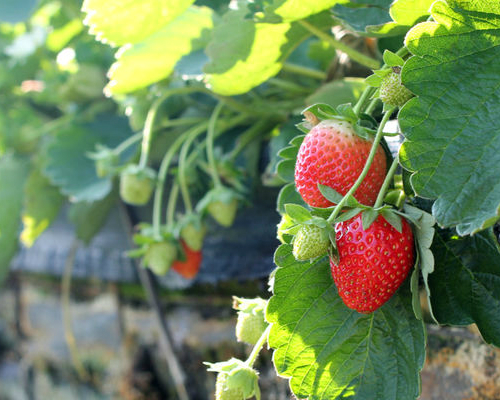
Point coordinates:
[(119, 22), (154, 59)]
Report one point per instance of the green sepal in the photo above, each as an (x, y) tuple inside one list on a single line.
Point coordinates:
[(368, 217), (348, 214), (298, 213), (136, 253), (335, 197), (373, 80), (392, 59), (393, 219)]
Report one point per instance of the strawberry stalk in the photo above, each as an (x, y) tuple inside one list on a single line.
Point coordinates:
[(337, 44), (369, 90), (171, 204), (182, 172), (258, 347), (162, 172), (387, 181), (304, 71), (210, 145), (364, 172)]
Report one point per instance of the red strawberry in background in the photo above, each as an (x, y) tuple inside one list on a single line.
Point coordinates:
[(373, 263), (190, 267), (334, 155)]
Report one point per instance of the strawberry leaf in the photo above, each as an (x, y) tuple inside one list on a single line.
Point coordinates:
[(465, 285), (452, 141), (291, 10), (328, 350), (415, 290), (368, 217), (107, 19), (13, 173), (42, 202), (154, 58)]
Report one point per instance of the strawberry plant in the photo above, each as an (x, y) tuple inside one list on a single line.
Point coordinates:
[(201, 93)]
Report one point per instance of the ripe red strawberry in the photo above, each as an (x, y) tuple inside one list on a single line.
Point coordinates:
[(333, 155), (372, 263), (190, 267)]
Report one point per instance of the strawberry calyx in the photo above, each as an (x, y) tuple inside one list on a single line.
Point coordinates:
[(363, 125)]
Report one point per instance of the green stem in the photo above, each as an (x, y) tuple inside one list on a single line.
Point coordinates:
[(248, 136), (127, 143), (172, 203), (305, 71), (179, 122), (162, 173), (182, 173), (210, 145), (353, 54), (364, 172), (258, 347), (361, 101), (387, 182), (287, 85), (371, 106)]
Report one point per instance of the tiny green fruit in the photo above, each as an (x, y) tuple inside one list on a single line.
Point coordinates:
[(136, 185), (160, 256), (251, 322), (224, 213), (392, 91), (310, 242)]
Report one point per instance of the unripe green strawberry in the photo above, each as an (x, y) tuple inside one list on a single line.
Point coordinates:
[(310, 242), (223, 213), (251, 323), (392, 91), (160, 256), (136, 185), (193, 235), (235, 380)]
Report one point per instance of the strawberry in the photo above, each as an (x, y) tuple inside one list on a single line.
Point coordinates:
[(235, 380), (373, 263), (136, 184), (159, 257), (310, 242), (251, 323), (334, 155), (193, 231), (191, 265), (221, 203), (392, 91)]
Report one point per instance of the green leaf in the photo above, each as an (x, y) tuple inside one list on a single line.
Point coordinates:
[(331, 352), (373, 80), (348, 215), (13, 173), (382, 17), (292, 10), (452, 140), (119, 22), (392, 59), (154, 58), (89, 217), (243, 54), (67, 165), (360, 14), (423, 224), (465, 285), (405, 14), (42, 202), (289, 152), (415, 292), (338, 92), (298, 213)]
